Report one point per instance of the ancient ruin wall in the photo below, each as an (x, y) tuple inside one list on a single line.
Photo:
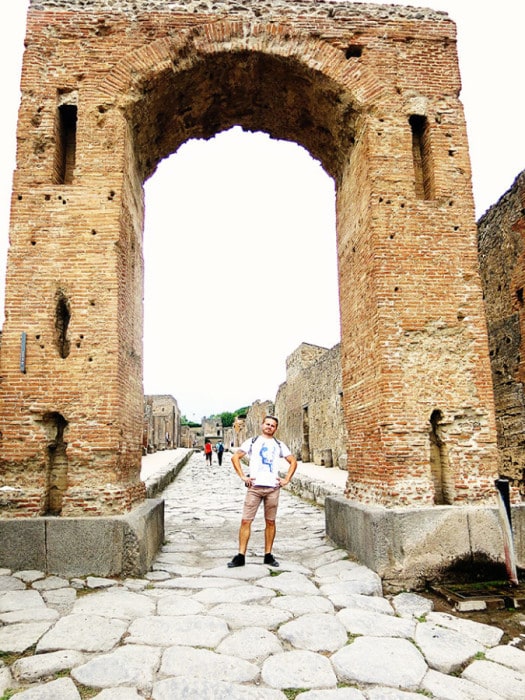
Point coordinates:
[(111, 87), (502, 263), (310, 402)]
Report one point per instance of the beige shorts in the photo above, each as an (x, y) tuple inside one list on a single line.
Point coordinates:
[(254, 496)]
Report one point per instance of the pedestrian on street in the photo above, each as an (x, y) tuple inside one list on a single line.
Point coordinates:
[(219, 449), (263, 484), (207, 451)]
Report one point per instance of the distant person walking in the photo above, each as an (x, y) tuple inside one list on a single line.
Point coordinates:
[(219, 449), (208, 451), (263, 484)]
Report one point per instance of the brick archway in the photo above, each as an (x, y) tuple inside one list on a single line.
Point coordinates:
[(369, 91)]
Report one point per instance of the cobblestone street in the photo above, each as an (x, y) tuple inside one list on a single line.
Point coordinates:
[(318, 627)]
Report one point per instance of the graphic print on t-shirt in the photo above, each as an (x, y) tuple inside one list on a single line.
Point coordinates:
[(265, 463)]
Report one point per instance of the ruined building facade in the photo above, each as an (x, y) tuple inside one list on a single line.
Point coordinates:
[(162, 430), (502, 264), (310, 406), (109, 89)]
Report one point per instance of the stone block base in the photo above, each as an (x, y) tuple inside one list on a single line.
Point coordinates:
[(120, 545), (409, 547)]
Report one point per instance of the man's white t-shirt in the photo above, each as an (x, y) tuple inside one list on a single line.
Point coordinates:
[(264, 456)]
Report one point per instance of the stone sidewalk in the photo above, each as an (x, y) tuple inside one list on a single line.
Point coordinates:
[(316, 628)]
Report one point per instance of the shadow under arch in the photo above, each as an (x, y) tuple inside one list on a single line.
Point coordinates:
[(265, 77)]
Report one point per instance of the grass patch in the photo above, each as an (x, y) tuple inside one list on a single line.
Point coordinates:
[(86, 692), (292, 693)]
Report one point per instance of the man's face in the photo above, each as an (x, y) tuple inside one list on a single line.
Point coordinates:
[(269, 427)]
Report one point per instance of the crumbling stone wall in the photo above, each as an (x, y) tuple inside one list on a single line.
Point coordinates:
[(311, 403), (502, 263), (109, 88)]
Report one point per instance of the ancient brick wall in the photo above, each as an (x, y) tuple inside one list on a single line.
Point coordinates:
[(310, 402), (109, 88), (502, 264)]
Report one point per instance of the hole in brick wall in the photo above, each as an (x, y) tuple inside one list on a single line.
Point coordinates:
[(65, 156), (56, 474), (62, 319), (354, 51), (439, 464), (421, 156), (47, 197)]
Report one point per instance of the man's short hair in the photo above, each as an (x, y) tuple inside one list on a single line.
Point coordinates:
[(271, 418)]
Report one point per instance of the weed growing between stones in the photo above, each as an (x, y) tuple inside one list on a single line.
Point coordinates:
[(292, 693), (87, 692)]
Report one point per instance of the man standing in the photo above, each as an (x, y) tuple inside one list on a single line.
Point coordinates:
[(263, 484)]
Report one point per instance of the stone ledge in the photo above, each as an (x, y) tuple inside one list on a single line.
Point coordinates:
[(311, 489), (121, 545), (407, 547)]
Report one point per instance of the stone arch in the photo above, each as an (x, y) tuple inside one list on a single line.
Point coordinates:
[(345, 89), (347, 82)]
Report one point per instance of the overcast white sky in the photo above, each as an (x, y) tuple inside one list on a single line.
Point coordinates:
[(240, 232)]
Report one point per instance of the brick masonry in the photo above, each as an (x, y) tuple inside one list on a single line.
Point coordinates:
[(502, 264), (109, 88)]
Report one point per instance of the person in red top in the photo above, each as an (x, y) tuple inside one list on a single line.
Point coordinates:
[(208, 451)]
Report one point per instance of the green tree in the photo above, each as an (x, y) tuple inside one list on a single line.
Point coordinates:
[(227, 419)]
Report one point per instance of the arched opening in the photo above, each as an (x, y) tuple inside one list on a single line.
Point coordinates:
[(57, 463), (439, 464), (240, 268)]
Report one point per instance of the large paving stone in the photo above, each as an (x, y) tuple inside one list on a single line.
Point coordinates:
[(507, 682), (20, 600), (119, 604), (380, 661), (411, 605), (174, 605), (507, 656), (239, 594), (358, 600), (392, 694), (31, 668), (11, 583), (374, 624), (302, 605), (90, 633), (444, 649), (335, 694), (290, 584), (19, 637), (203, 663), (132, 665), (250, 643), (487, 635), (298, 669), (196, 583), (61, 689), (243, 615), (365, 585), (203, 689), (191, 630), (316, 632), (453, 688), (29, 615), (244, 573), (118, 694)]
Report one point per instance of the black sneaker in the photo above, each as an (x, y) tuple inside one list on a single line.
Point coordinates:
[(270, 560), (238, 560)]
